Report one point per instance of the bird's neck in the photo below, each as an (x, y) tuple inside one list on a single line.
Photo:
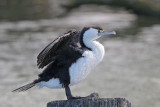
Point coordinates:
[(96, 48)]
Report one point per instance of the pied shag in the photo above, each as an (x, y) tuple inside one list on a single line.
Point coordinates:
[(69, 59)]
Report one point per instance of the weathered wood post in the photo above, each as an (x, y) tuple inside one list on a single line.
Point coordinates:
[(92, 100)]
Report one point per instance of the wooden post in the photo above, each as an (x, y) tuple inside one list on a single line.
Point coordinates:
[(92, 100)]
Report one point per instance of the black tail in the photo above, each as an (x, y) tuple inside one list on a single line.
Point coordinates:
[(25, 87)]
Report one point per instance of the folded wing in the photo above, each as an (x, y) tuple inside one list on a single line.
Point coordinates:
[(49, 53)]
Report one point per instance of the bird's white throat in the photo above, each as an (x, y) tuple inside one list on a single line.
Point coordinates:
[(89, 39)]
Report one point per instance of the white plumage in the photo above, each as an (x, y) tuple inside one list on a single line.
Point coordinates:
[(80, 69), (52, 83)]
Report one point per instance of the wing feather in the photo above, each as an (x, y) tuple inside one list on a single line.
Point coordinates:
[(48, 54)]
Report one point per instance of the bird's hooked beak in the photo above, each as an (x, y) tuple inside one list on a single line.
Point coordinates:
[(101, 33)]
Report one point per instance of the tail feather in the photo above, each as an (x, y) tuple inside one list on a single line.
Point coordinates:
[(25, 87)]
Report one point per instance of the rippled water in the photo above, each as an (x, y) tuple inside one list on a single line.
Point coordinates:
[(130, 68)]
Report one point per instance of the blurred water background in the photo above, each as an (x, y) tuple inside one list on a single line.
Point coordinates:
[(130, 68)]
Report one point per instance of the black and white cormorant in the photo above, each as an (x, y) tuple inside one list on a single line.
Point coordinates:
[(69, 59)]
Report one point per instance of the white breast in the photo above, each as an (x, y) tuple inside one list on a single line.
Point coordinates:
[(83, 66)]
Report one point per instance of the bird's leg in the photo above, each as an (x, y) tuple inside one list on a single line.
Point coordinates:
[(68, 92), (69, 95)]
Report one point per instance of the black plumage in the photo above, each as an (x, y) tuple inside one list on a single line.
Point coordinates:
[(53, 50)]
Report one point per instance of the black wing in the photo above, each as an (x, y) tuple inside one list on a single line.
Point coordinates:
[(48, 54)]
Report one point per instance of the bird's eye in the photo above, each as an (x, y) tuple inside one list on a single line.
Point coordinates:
[(100, 31)]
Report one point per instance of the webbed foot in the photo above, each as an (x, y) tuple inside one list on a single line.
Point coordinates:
[(78, 97)]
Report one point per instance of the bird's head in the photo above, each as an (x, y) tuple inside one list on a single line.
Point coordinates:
[(94, 32)]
